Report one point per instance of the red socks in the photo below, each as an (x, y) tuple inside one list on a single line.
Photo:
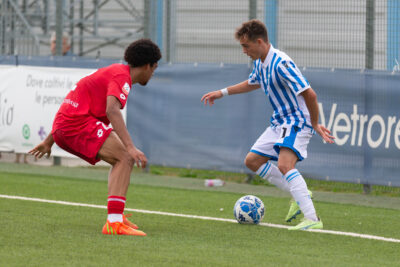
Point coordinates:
[(115, 207)]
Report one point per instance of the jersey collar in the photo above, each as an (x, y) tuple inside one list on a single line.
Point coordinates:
[(268, 59)]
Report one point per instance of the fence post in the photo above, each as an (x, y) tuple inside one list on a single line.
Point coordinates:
[(3, 27), (249, 178), (393, 34), (153, 21), (59, 26), (81, 20), (270, 19), (252, 9), (369, 64), (369, 34), (170, 31), (59, 41), (71, 24), (367, 189), (56, 161)]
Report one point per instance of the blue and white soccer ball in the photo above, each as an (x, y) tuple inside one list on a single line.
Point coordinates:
[(249, 210)]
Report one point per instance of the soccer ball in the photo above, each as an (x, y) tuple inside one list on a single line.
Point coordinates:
[(249, 210)]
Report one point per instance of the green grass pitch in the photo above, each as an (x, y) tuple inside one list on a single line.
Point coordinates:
[(45, 234)]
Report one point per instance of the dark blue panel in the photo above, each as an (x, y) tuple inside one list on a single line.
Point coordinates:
[(170, 123)]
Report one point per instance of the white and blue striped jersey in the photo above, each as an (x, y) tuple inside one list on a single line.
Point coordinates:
[(282, 82)]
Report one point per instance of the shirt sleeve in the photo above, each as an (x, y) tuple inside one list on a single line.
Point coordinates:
[(120, 88), (254, 77), (292, 77)]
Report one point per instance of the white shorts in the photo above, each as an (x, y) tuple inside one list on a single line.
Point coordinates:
[(293, 137)]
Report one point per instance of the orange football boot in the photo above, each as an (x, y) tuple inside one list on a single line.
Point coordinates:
[(118, 228), (127, 222)]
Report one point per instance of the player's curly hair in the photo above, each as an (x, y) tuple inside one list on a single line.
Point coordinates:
[(252, 29), (142, 52)]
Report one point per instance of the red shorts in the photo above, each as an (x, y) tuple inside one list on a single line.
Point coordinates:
[(82, 136)]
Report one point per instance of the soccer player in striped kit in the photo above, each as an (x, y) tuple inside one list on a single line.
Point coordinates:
[(81, 126), (293, 122)]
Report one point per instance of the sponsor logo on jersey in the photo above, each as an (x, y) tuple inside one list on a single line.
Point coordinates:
[(122, 96), (126, 88), (285, 64), (70, 102)]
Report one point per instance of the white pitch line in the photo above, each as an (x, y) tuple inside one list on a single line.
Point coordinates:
[(374, 237)]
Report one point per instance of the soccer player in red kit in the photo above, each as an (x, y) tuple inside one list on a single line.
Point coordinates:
[(81, 126)]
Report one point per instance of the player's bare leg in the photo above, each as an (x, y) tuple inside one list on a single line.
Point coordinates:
[(266, 170), (114, 152), (254, 161), (287, 160)]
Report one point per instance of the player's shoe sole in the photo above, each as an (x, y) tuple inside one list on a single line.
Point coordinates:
[(118, 228), (307, 224), (127, 222), (294, 209)]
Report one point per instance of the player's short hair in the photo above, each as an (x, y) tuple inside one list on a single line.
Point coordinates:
[(142, 52), (252, 29), (65, 36)]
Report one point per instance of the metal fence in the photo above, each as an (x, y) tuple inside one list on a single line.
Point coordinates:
[(98, 28), (16, 34), (355, 34)]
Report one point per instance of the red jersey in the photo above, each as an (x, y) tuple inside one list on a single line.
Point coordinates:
[(81, 124), (89, 97)]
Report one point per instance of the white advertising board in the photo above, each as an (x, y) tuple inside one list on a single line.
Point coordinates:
[(29, 99)]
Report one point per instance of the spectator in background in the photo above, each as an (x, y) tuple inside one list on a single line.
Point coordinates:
[(66, 44)]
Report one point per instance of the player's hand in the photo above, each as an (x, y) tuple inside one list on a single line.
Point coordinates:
[(324, 133), (40, 150), (210, 97), (138, 156)]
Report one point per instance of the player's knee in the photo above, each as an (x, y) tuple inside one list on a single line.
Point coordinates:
[(126, 159), (284, 167), (251, 163), (130, 161), (248, 162)]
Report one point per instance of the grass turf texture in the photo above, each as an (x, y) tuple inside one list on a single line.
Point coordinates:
[(319, 185), (41, 234)]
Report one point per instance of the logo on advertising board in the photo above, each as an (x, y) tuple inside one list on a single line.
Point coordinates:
[(26, 131), (42, 133), (126, 88), (352, 129)]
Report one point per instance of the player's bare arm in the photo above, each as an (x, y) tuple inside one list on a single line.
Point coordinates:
[(310, 97), (114, 115), (43, 148), (243, 87)]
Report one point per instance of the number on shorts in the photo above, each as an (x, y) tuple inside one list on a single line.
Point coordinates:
[(284, 129), (104, 126)]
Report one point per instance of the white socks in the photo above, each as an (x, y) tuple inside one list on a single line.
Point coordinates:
[(271, 173), (291, 182), (299, 191), (113, 217)]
